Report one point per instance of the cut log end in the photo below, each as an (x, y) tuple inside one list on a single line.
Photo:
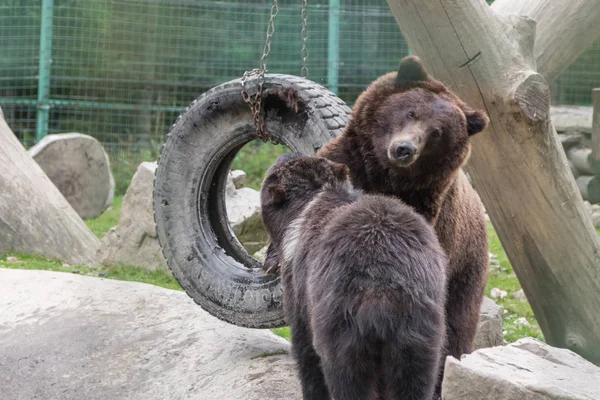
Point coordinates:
[(589, 186), (533, 97)]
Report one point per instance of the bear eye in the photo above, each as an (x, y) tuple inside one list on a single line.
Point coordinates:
[(436, 133), (411, 114)]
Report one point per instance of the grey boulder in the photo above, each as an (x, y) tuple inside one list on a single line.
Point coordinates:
[(134, 241), (243, 212), (489, 329), (79, 167), (525, 370), (65, 336)]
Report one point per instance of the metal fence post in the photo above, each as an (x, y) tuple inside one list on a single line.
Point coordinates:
[(43, 98), (333, 46)]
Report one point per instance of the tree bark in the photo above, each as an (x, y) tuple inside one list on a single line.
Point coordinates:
[(517, 165), (564, 30), (35, 218)]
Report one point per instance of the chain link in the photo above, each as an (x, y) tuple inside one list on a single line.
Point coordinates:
[(255, 101), (304, 51)]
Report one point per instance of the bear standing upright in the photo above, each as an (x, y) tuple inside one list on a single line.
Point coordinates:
[(408, 137), (363, 283)]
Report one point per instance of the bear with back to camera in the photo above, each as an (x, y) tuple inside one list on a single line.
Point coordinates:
[(408, 137), (363, 282)]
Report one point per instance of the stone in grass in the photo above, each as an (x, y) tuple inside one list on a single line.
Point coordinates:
[(238, 178), (496, 293), (261, 254), (489, 329), (243, 212), (134, 241), (527, 370), (522, 323), (520, 295), (79, 168)]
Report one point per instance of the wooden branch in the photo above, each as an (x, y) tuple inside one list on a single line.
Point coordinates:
[(565, 29), (517, 165), (35, 218)]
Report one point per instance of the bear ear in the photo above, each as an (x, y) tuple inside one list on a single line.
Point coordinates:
[(271, 263), (276, 193), (340, 171), (411, 70), (476, 121)]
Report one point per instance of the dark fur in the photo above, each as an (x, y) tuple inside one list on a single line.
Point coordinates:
[(434, 184), (364, 290)]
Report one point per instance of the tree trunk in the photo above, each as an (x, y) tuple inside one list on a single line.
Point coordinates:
[(35, 218), (564, 30), (517, 165)]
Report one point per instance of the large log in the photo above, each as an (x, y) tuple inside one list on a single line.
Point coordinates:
[(582, 159), (589, 186), (34, 216), (518, 165), (564, 30)]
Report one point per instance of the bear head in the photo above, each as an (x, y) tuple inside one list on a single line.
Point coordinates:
[(289, 185), (414, 122)]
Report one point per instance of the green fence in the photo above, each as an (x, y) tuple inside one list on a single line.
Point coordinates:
[(122, 70)]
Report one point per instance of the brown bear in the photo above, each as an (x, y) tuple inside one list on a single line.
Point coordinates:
[(363, 282), (408, 137)]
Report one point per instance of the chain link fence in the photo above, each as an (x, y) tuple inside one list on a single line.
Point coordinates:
[(123, 70)]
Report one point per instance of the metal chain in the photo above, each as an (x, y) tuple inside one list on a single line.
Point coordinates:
[(255, 101), (304, 51)]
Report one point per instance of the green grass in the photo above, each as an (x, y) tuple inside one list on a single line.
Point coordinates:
[(255, 158), (123, 273), (107, 220), (270, 354), (503, 277)]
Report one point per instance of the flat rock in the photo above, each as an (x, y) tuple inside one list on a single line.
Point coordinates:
[(572, 118), (243, 211), (65, 336), (525, 370), (520, 295), (35, 217), (79, 167), (238, 178), (134, 241), (489, 329)]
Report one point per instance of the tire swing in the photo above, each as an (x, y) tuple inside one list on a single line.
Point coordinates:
[(189, 189)]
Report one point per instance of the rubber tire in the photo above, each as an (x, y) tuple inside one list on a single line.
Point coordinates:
[(189, 201)]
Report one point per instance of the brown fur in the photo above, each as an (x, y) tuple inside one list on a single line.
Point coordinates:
[(363, 283), (433, 184)]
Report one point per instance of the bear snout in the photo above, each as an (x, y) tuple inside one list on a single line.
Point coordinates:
[(402, 152)]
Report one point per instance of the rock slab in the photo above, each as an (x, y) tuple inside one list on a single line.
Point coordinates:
[(243, 212), (35, 218), (134, 241), (489, 329), (65, 336), (525, 370), (79, 167)]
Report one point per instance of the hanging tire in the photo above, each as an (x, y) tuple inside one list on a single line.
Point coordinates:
[(189, 190)]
